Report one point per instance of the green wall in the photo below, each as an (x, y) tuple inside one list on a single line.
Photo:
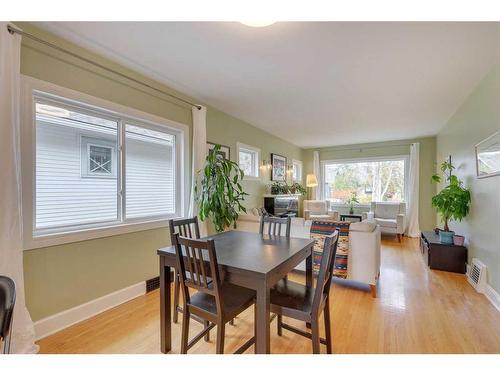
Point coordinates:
[(64, 276), (475, 120), (427, 216)]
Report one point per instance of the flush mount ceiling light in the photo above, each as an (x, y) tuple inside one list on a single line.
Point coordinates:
[(258, 23)]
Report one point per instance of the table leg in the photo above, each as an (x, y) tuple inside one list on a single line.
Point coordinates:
[(309, 273), (165, 307), (262, 331), (309, 268)]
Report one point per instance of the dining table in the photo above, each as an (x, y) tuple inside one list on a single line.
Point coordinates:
[(252, 260)]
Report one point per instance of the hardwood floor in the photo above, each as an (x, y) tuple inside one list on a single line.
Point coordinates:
[(417, 311)]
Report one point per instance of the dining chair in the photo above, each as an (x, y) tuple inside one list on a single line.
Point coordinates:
[(305, 303), (274, 225), (186, 228), (214, 300), (7, 302)]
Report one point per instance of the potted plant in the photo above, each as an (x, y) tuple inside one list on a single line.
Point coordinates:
[(297, 188), (452, 202), (279, 188), (352, 201), (220, 193)]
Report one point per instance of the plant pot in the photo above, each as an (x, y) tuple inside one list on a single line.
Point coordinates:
[(351, 212), (446, 237), (458, 240)]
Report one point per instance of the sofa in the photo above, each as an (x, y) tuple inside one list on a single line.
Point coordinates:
[(319, 210), (361, 239), (390, 216)]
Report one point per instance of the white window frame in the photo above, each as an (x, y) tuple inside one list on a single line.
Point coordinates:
[(245, 147), (32, 88), (323, 163), (300, 168)]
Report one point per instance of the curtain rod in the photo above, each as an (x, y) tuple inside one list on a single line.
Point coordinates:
[(13, 30)]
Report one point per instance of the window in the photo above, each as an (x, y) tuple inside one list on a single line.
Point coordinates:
[(150, 172), (97, 159), (248, 160), (370, 180), (297, 171), (95, 168)]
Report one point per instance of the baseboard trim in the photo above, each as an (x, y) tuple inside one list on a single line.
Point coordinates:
[(54, 323), (493, 296)]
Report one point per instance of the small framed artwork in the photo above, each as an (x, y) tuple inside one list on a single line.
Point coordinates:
[(278, 171), (224, 152), (488, 156)]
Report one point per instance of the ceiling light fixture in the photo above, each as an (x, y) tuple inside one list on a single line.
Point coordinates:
[(258, 23)]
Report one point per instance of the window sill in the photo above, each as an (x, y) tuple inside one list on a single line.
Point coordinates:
[(84, 234)]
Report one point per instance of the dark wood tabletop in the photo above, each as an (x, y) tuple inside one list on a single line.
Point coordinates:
[(247, 259)]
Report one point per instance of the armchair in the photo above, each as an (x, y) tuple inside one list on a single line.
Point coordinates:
[(319, 210), (364, 254), (390, 216)]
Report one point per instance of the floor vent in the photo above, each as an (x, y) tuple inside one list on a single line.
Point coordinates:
[(477, 275), (152, 284)]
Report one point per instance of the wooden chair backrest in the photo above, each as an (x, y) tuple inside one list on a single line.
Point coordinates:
[(326, 268), (198, 267), (185, 227), (274, 225)]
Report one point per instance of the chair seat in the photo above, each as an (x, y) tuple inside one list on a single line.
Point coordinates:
[(235, 299), (290, 295), (388, 223)]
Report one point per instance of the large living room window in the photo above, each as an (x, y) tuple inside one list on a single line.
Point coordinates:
[(98, 170), (378, 180)]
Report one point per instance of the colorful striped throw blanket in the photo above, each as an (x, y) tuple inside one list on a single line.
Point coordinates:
[(320, 229)]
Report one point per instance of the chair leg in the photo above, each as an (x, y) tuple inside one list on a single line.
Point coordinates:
[(373, 289), (175, 317), (6, 343), (185, 330), (399, 237), (328, 332), (315, 336), (206, 323), (279, 325), (220, 337)]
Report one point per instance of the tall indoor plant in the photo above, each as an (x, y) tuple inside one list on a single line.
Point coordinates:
[(219, 194), (452, 202)]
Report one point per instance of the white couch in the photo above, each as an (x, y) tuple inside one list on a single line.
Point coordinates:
[(364, 246), (319, 210), (390, 216)]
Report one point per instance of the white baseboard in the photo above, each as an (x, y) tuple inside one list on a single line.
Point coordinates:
[(493, 296), (66, 318)]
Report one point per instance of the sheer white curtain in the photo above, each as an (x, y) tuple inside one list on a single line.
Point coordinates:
[(199, 155), (11, 252), (316, 191), (413, 229)]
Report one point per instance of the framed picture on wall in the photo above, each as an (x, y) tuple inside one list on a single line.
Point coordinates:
[(278, 171), (224, 151)]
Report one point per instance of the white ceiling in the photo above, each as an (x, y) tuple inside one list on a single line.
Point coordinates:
[(311, 83)]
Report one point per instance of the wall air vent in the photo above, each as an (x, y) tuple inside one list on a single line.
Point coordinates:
[(152, 284), (477, 275)]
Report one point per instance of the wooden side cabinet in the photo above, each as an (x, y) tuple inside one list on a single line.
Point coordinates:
[(441, 256)]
